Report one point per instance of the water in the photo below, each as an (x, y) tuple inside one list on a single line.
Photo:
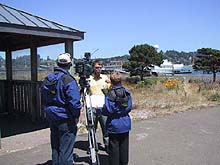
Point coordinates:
[(198, 74)]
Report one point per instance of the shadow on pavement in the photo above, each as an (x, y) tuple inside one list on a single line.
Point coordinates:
[(17, 124), (83, 145), (49, 162), (82, 160), (102, 158)]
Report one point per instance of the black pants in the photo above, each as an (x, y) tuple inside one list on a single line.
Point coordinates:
[(118, 149), (98, 117)]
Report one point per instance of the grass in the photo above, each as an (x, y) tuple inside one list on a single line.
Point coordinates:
[(25, 75), (166, 95)]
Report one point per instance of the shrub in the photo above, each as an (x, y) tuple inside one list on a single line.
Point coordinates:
[(140, 84), (150, 81), (214, 97), (132, 80), (146, 82)]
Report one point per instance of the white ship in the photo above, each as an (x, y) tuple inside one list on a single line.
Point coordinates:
[(182, 69), (165, 68), (168, 68)]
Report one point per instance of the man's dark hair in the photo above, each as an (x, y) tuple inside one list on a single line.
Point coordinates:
[(97, 61)]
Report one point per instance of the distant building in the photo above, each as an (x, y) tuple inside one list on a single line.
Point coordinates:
[(113, 65), (51, 63)]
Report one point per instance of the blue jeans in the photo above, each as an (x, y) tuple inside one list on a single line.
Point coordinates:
[(63, 135)]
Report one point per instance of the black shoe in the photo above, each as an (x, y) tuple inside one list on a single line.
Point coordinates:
[(107, 149), (75, 156), (88, 151)]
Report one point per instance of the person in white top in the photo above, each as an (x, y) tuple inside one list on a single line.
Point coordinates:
[(98, 82)]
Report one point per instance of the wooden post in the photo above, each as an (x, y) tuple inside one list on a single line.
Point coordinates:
[(34, 63), (0, 138), (9, 91), (69, 49), (33, 83), (8, 65)]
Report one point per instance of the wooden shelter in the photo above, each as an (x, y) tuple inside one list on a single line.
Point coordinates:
[(21, 30)]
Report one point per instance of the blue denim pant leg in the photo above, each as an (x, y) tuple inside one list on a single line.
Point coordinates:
[(102, 121), (62, 143)]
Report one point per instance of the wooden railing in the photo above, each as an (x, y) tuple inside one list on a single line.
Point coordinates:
[(21, 97)]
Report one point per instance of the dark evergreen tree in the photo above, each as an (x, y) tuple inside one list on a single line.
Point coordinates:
[(207, 60), (142, 56)]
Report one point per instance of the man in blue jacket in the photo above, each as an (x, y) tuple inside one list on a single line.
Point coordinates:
[(61, 101), (118, 104)]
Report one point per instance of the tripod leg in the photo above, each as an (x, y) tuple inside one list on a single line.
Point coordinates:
[(93, 147)]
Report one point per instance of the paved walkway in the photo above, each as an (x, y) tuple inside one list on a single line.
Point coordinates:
[(189, 138)]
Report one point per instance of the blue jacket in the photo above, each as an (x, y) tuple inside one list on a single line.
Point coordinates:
[(65, 104), (118, 120)]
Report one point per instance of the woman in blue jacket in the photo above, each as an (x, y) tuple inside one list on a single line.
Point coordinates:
[(118, 104)]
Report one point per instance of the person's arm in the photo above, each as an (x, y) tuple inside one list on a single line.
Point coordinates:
[(106, 110)]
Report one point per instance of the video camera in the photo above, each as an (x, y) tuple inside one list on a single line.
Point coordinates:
[(84, 68)]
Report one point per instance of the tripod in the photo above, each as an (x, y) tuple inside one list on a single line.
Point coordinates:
[(87, 106)]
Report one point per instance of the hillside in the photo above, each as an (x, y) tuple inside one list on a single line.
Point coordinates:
[(179, 57)]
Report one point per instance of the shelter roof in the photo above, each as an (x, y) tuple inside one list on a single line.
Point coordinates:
[(19, 30)]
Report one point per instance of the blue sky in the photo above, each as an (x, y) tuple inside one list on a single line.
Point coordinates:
[(115, 26)]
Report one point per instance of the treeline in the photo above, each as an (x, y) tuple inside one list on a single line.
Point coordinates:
[(116, 58)]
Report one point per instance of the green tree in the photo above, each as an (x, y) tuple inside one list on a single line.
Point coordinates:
[(207, 60), (143, 56)]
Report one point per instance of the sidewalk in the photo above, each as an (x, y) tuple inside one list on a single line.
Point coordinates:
[(189, 138), (24, 141)]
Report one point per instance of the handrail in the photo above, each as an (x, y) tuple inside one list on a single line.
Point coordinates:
[(21, 96)]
